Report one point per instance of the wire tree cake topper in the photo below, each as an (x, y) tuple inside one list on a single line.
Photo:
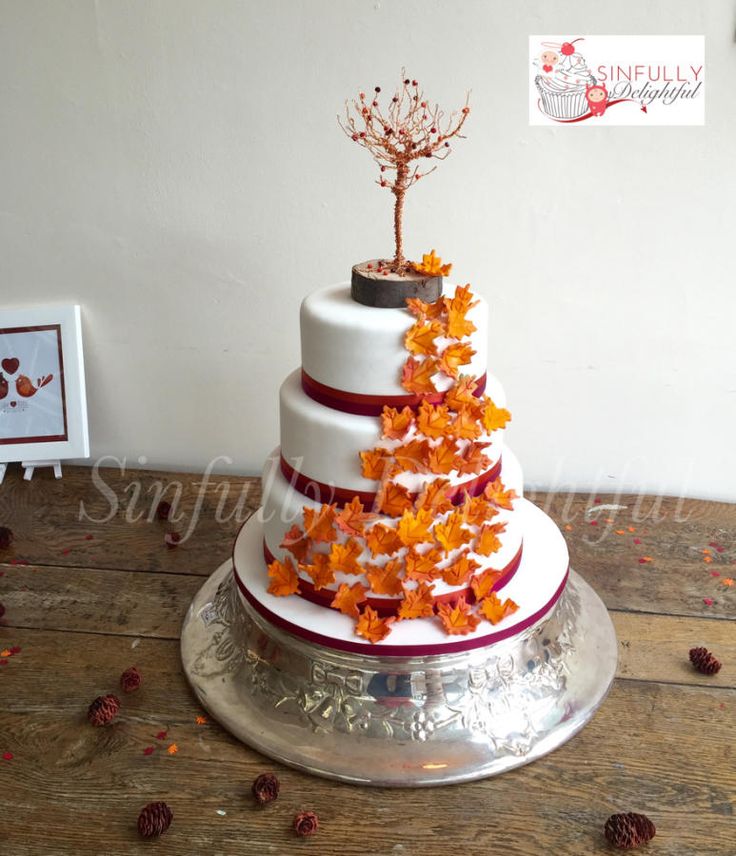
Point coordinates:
[(402, 137)]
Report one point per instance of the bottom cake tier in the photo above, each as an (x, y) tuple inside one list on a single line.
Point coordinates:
[(536, 586), (397, 721)]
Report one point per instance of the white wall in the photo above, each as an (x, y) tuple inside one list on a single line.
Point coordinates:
[(175, 166)]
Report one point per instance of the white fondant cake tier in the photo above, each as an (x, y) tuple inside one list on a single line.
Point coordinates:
[(535, 587), (283, 507), (324, 444), (360, 349)]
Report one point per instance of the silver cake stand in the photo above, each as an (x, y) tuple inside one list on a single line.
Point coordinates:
[(395, 721)]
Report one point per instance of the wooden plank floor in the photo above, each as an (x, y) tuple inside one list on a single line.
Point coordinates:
[(90, 588)]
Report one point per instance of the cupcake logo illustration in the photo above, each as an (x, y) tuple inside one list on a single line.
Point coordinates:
[(654, 80), (567, 88)]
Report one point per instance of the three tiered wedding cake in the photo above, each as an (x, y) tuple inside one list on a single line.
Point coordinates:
[(392, 514)]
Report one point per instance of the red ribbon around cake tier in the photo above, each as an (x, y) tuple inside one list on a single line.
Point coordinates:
[(386, 606), (451, 646), (321, 492), (371, 405)]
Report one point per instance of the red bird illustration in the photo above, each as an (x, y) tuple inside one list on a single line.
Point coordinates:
[(3, 386), (25, 387)]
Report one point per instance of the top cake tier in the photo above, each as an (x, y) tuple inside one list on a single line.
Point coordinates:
[(360, 349)]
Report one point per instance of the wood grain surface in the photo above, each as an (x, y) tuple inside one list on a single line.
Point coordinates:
[(87, 595)]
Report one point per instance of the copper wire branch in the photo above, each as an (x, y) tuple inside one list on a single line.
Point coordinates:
[(406, 130)]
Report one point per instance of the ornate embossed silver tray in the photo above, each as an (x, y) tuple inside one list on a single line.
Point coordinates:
[(379, 720)]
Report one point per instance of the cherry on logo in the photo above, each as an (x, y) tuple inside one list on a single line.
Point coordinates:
[(567, 47)]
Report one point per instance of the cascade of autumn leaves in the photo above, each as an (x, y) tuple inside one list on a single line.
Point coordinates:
[(423, 537)]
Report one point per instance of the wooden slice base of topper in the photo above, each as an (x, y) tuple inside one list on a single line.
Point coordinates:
[(371, 286)]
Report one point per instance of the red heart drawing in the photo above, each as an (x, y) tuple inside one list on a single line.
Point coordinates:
[(547, 68), (13, 403), (10, 365)]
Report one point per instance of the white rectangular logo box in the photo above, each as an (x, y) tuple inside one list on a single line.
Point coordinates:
[(589, 81)]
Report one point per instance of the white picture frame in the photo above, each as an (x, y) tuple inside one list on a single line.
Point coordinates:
[(43, 401)]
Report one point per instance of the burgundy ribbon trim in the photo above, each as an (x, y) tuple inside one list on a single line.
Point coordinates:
[(371, 405), (383, 650), (327, 493), (386, 606)]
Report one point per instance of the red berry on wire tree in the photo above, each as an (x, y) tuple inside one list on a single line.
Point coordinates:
[(402, 135)]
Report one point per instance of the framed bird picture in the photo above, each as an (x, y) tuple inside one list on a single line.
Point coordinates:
[(43, 405)]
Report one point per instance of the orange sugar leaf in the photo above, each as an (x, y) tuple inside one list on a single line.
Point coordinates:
[(458, 620), (477, 510), (462, 393), (344, 557), (460, 571), (386, 579), (483, 583), (423, 310), (417, 603), (296, 543), (382, 541), (434, 497), (451, 534), (494, 417), (433, 420), (488, 541), (396, 423), (454, 356), (376, 463), (466, 425), (417, 376), (458, 326), (284, 578), (413, 528), (472, 459), (431, 265), (497, 493), (393, 499), (320, 525), (463, 297), (351, 519), (494, 610), (442, 458), (422, 567), (457, 307), (412, 456), (320, 570), (348, 598), (420, 338), (371, 627)]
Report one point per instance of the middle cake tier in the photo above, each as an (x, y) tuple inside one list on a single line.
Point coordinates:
[(284, 507), (322, 445)]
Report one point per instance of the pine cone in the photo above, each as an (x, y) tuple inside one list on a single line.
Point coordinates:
[(6, 537), (130, 680), (306, 823), (163, 510), (630, 830), (704, 661), (154, 819), (103, 709), (265, 788)]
